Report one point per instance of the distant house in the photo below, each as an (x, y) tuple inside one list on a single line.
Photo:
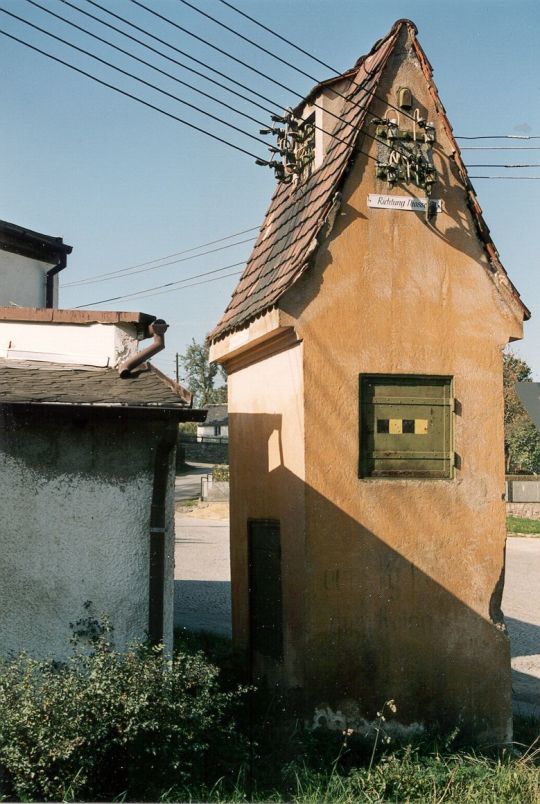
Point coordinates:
[(29, 266), (216, 424), (363, 352), (87, 445)]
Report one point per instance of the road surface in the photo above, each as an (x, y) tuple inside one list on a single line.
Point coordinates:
[(521, 606)]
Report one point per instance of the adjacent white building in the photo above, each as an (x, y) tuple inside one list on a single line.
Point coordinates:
[(88, 434), (29, 266)]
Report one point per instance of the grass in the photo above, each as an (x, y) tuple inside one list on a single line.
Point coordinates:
[(292, 764), (190, 503), (518, 524)]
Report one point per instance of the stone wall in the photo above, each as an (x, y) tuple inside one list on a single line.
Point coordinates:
[(528, 510), (205, 452)]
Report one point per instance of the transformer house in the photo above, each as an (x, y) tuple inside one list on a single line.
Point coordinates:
[(364, 347)]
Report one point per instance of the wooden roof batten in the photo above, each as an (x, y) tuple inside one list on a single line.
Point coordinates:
[(301, 213)]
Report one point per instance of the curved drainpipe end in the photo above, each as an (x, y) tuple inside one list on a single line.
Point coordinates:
[(158, 329)]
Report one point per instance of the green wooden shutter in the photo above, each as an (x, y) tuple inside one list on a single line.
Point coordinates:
[(265, 600), (406, 426)]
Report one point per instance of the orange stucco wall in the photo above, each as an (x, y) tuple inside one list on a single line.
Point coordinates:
[(392, 587), (266, 448)]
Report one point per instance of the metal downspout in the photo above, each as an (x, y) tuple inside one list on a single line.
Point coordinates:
[(156, 586), (158, 330), (49, 283)]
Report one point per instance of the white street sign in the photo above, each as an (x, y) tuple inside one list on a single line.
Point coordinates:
[(402, 202)]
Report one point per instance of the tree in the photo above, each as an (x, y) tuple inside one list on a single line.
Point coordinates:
[(521, 438), (202, 376)]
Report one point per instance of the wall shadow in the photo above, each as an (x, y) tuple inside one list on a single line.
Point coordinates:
[(363, 623), (203, 606)]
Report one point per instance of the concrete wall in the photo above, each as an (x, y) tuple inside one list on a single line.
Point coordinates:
[(22, 281), (523, 491), (77, 492)]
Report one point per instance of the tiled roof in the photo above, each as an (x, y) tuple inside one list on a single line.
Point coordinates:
[(52, 383), (298, 211), (217, 414)]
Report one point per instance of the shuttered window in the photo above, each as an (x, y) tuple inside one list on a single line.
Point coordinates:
[(406, 426), (265, 603)]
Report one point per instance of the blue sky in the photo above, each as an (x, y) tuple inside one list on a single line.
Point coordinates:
[(124, 184)]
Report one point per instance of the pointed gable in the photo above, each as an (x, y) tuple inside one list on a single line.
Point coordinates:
[(295, 222)]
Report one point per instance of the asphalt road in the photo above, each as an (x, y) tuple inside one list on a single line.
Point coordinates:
[(521, 606), (188, 485), (202, 588)]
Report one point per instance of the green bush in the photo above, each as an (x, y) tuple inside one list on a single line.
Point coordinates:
[(104, 724), (220, 472)]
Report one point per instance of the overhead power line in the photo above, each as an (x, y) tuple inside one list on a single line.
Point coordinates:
[(508, 178), (279, 36), (170, 58), (502, 137), (268, 78), (175, 97), (165, 257), (283, 61), (334, 70), (122, 274), (167, 285), (134, 77), (533, 164), (146, 63), (500, 148), (167, 44), (129, 95), (173, 47)]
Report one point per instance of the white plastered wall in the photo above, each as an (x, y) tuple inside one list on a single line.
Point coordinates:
[(22, 280), (75, 527), (85, 344)]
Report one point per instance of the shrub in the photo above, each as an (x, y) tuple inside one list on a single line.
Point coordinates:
[(104, 723), (220, 472)]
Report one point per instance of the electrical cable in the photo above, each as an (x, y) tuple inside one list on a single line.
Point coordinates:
[(500, 148), (279, 36), (508, 178), (130, 95), (502, 137), (166, 256), (170, 58), (533, 164), (122, 274), (278, 58), (324, 64), (127, 94), (273, 80), (175, 97), (134, 77), (146, 63), (162, 41), (168, 284)]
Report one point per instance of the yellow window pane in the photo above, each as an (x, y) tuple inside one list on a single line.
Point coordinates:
[(396, 426), (421, 426)]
